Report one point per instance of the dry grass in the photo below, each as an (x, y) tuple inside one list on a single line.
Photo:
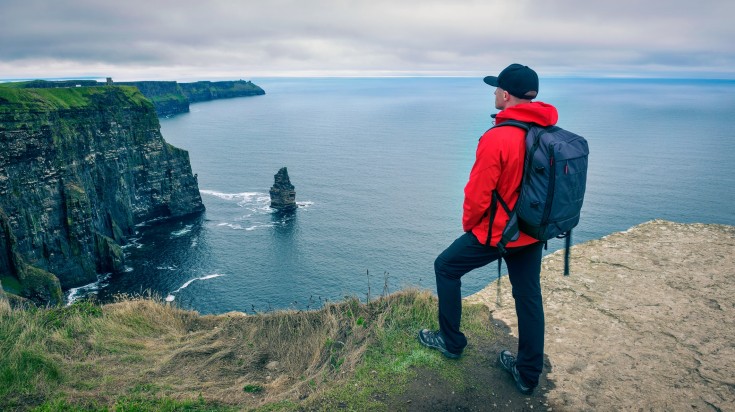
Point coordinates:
[(141, 347)]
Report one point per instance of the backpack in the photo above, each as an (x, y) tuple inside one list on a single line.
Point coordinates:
[(552, 187)]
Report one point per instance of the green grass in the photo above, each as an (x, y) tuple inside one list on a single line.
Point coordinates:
[(142, 354), (389, 362), (13, 99)]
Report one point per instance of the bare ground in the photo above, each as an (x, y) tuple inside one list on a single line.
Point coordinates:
[(646, 320)]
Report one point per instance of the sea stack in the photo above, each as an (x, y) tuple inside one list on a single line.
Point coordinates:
[(283, 196)]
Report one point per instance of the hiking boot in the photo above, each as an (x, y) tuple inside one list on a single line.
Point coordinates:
[(508, 362), (435, 340)]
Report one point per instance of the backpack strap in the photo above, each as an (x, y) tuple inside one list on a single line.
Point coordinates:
[(517, 123), (510, 232)]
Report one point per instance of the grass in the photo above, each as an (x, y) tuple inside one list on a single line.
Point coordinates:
[(142, 354), (13, 99)]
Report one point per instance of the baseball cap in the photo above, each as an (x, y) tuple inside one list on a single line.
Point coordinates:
[(519, 80)]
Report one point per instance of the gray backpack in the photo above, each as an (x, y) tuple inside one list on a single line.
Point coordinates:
[(552, 187)]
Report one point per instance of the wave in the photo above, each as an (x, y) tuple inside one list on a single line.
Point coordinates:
[(133, 242), (171, 297), (236, 226), (257, 205), (75, 294), (186, 229), (243, 196)]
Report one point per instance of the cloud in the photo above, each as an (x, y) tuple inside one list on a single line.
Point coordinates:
[(235, 38)]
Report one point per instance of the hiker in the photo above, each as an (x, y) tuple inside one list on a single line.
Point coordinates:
[(497, 170)]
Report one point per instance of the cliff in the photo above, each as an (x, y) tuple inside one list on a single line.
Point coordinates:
[(79, 168), (205, 90), (168, 97)]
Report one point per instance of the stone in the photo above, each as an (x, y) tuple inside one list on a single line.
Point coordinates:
[(283, 195), (80, 167)]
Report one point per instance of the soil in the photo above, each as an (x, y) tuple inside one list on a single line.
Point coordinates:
[(492, 388)]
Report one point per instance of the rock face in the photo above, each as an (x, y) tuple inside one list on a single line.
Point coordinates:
[(283, 195), (205, 90), (167, 97), (79, 168)]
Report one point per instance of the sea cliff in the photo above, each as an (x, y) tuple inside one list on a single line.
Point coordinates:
[(168, 97), (80, 167)]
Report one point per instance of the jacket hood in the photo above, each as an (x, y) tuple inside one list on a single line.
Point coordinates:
[(535, 112)]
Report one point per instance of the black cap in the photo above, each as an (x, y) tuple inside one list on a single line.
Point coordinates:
[(519, 80)]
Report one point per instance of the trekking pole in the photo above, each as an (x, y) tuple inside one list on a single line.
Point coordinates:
[(497, 298), (567, 252)]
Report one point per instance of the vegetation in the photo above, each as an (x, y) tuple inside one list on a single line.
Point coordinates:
[(144, 354), (13, 99)]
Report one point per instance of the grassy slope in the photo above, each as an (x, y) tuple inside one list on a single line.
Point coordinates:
[(13, 99), (140, 354)]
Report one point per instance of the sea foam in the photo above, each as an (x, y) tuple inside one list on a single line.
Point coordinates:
[(75, 294), (171, 297)]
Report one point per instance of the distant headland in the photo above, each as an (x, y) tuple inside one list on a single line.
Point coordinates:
[(168, 97)]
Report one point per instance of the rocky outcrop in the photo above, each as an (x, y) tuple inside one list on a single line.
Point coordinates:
[(283, 195), (205, 90), (168, 97), (644, 322), (79, 168)]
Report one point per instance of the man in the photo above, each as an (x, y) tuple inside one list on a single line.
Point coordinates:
[(497, 172)]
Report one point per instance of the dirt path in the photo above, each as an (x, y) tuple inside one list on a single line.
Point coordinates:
[(646, 320)]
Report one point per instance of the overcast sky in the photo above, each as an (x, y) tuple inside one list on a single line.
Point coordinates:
[(189, 40)]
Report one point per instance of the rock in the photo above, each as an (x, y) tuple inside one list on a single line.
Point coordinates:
[(79, 168), (644, 322), (272, 365), (283, 196)]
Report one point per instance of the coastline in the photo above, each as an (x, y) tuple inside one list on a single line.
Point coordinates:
[(646, 319)]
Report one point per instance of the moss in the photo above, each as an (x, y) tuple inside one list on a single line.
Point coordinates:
[(10, 284), (111, 254), (40, 286)]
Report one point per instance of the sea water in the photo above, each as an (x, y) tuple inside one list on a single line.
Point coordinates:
[(379, 166)]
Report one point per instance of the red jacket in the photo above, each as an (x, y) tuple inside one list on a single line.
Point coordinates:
[(499, 165)]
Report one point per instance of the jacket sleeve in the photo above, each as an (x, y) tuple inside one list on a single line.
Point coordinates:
[(483, 179)]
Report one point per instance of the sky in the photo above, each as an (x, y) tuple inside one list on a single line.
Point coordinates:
[(235, 39)]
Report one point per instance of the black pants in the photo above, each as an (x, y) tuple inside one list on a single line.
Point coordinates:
[(524, 268)]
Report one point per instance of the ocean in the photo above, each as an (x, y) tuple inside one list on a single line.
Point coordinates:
[(379, 166)]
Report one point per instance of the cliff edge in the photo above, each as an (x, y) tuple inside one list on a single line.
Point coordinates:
[(79, 168), (168, 97), (646, 319)]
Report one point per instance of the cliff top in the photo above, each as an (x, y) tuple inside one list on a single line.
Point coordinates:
[(644, 320), (14, 99)]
